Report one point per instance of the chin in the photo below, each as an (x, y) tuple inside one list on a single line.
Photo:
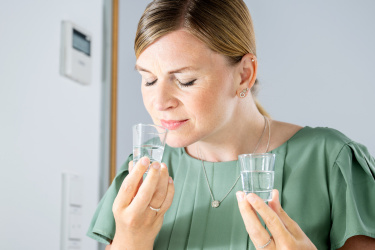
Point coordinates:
[(177, 142)]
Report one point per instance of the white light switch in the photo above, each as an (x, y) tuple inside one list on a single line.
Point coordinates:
[(75, 225), (72, 200), (75, 190)]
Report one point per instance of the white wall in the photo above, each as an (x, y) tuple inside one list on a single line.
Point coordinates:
[(130, 105), (48, 123), (316, 66), (316, 63)]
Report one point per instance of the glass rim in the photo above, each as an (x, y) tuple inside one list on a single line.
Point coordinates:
[(256, 155), (152, 125)]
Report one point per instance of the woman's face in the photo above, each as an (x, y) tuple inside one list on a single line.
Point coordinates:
[(188, 88)]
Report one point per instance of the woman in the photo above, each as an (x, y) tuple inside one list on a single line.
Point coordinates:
[(198, 65)]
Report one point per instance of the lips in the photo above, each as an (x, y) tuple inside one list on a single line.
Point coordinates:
[(172, 124)]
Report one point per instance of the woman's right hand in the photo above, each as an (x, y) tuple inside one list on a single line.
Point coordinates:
[(136, 223)]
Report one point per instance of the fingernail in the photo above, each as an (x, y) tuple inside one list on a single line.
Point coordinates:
[(156, 165), (145, 161), (163, 165), (239, 196), (170, 180), (251, 198)]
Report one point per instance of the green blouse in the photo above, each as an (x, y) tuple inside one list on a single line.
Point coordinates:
[(326, 184)]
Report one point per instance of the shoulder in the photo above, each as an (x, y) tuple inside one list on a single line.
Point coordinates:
[(294, 133), (327, 143), (283, 132), (328, 135), (321, 145)]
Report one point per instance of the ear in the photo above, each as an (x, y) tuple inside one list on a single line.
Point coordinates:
[(247, 69)]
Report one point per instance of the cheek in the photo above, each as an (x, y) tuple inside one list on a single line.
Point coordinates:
[(206, 107), (218, 106)]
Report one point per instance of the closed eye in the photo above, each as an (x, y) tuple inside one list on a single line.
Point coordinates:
[(150, 83), (187, 84)]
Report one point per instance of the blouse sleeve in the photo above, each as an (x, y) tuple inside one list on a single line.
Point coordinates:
[(102, 227), (352, 194)]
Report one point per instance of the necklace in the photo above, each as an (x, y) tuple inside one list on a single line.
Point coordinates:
[(216, 203)]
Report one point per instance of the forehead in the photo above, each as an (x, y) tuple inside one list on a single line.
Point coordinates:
[(177, 49)]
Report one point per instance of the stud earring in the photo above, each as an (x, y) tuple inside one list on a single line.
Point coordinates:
[(243, 92), (252, 59)]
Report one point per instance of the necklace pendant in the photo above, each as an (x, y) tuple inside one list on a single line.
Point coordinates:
[(215, 204)]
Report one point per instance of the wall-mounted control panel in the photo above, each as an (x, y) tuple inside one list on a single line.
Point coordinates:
[(75, 58)]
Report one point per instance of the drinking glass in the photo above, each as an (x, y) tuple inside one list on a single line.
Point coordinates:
[(148, 140), (257, 174)]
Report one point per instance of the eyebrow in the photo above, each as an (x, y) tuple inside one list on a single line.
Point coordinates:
[(180, 70)]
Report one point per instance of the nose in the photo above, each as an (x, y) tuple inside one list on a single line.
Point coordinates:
[(164, 96)]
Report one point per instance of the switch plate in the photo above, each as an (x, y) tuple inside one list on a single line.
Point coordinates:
[(75, 190), (71, 217), (75, 224)]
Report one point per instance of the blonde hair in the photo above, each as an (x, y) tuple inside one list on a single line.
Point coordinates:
[(225, 26)]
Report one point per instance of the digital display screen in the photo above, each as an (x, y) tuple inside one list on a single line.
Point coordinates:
[(81, 43)]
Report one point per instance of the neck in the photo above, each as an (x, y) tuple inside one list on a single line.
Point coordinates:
[(237, 138)]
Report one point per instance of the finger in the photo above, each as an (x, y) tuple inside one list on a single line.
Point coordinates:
[(130, 168), (147, 189), (290, 224), (258, 234), (129, 186), (161, 189), (273, 222), (169, 198)]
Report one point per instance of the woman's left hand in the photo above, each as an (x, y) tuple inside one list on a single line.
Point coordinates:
[(286, 234)]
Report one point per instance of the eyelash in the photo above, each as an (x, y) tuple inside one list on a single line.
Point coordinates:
[(150, 83), (186, 84), (180, 83)]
